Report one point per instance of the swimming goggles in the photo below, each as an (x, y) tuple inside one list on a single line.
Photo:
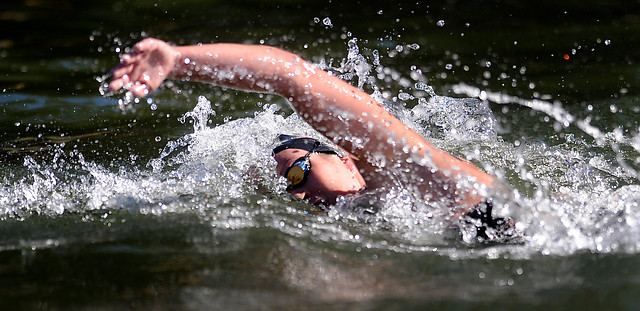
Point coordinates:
[(298, 172)]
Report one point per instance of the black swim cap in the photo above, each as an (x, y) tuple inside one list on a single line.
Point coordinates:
[(305, 143)]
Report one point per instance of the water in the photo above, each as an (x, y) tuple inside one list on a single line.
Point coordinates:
[(172, 202)]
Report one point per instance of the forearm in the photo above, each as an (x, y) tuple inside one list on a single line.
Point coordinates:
[(246, 67)]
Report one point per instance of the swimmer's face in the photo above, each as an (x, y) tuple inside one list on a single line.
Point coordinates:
[(330, 176)]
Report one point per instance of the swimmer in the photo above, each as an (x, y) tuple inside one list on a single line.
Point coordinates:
[(371, 139)]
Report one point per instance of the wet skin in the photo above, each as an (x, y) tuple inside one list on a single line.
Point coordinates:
[(330, 176), (332, 106)]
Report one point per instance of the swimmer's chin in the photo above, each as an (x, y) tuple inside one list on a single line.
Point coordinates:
[(318, 202), (326, 203)]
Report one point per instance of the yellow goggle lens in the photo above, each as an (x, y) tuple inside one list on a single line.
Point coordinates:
[(295, 174)]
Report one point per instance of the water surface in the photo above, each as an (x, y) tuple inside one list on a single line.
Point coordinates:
[(111, 205)]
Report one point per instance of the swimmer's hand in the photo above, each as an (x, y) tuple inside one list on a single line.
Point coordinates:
[(143, 70)]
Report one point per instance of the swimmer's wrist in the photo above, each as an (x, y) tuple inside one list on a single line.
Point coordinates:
[(180, 62)]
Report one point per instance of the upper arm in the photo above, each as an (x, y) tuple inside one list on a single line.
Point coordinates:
[(350, 116)]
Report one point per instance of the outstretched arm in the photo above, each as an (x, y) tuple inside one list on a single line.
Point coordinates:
[(343, 113), (246, 67)]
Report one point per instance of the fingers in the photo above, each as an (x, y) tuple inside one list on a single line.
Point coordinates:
[(144, 46), (127, 62), (141, 46), (138, 87), (126, 59), (117, 84), (134, 70), (139, 90), (130, 71), (138, 73), (121, 71), (120, 77)]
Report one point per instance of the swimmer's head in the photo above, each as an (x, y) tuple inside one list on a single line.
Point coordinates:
[(316, 171)]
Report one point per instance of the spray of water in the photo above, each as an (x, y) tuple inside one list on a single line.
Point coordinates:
[(581, 199), (564, 197)]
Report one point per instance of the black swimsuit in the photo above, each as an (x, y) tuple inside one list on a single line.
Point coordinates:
[(490, 228)]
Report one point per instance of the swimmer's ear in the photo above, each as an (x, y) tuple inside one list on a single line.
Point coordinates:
[(349, 157), (350, 161)]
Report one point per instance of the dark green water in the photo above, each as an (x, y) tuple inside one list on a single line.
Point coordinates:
[(93, 216)]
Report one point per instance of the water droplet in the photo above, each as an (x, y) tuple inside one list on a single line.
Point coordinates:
[(523, 70), (158, 138), (327, 22), (405, 96), (440, 23), (376, 57)]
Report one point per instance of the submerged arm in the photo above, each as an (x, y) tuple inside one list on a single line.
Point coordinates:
[(340, 111)]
